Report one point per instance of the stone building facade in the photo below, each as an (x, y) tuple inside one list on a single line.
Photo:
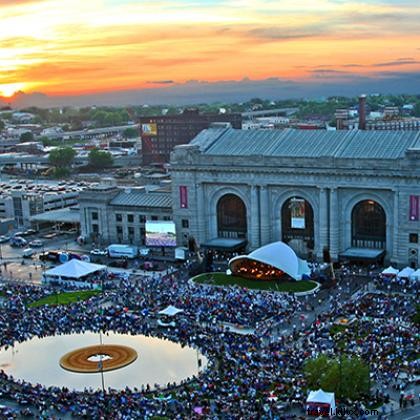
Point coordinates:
[(356, 192), (118, 215)]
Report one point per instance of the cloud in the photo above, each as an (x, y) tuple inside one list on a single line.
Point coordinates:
[(398, 62), (160, 82), (351, 65), (284, 33)]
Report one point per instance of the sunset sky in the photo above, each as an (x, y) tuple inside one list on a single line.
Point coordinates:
[(72, 47)]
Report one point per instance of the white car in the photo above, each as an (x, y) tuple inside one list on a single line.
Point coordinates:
[(99, 252), (4, 238), (37, 243), (144, 252), (28, 253)]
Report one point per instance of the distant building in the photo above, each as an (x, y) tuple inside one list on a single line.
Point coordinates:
[(118, 215), (21, 201), (160, 134)]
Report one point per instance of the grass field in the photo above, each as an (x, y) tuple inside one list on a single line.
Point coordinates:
[(221, 279), (64, 298)]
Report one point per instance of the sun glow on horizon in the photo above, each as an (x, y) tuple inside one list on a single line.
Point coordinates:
[(7, 90)]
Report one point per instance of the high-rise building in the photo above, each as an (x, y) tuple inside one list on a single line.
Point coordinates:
[(160, 134)]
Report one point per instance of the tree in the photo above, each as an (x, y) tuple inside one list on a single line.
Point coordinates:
[(62, 157), (27, 136), (346, 377), (416, 111), (100, 159), (130, 133)]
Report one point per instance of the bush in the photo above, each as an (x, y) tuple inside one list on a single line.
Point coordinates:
[(59, 173)]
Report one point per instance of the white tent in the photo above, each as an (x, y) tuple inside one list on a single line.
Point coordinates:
[(405, 273), (170, 311), (321, 400), (416, 275), (390, 272), (74, 269)]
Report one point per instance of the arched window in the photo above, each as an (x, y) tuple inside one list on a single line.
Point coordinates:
[(231, 217), (297, 222), (368, 225)]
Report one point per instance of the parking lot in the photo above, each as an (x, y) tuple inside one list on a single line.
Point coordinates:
[(15, 267)]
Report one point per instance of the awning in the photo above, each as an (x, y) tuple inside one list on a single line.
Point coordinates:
[(363, 254), (64, 215), (225, 244)]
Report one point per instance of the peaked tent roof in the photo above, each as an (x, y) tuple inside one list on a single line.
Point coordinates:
[(74, 269), (390, 271), (405, 273), (322, 397), (415, 275), (281, 256), (170, 311)]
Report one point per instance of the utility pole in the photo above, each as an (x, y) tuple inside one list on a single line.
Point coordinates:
[(101, 365)]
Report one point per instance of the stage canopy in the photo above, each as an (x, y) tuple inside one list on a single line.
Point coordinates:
[(275, 258), (74, 269)]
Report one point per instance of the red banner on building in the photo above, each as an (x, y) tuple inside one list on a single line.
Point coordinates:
[(183, 195), (414, 207)]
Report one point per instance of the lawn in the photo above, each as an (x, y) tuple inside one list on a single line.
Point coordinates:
[(64, 298), (221, 279)]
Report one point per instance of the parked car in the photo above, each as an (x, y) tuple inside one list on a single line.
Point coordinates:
[(99, 252), (119, 263), (144, 252), (4, 238), (28, 253), (36, 243), (29, 232), (20, 234), (50, 256), (18, 241)]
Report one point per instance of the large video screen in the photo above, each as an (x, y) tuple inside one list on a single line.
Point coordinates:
[(297, 209), (160, 234)]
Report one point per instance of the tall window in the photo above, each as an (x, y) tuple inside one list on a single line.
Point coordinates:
[(231, 217), (368, 225)]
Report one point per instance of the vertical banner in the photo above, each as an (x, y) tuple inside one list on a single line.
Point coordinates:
[(183, 196), (414, 207), (297, 212)]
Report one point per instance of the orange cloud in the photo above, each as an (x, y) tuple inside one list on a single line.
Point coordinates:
[(74, 46)]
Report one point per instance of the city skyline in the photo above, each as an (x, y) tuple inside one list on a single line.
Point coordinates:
[(70, 48)]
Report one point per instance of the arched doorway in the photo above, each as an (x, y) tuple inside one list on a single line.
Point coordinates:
[(297, 224), (368, 225), (231, 217)]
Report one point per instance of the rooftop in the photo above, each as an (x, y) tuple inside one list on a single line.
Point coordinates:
[(64, 215), (307, 143), (140, 198)]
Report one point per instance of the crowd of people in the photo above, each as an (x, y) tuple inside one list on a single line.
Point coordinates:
[(254, 375)]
